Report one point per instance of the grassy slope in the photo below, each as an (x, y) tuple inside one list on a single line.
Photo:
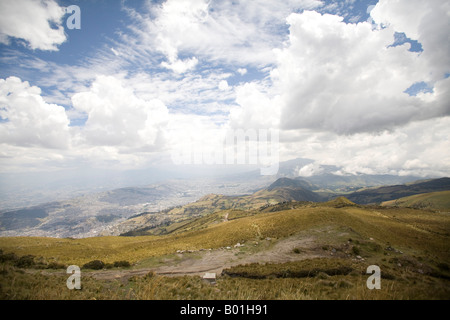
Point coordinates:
[(422, 236), (401, 227), (433, 201), (214, 203)]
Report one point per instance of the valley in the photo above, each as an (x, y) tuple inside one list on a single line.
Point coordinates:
[(286, 240), (289, 250)]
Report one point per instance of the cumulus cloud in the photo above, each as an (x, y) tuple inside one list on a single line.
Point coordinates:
[(116, 117), (180, 66), (223, 85), (27, 120), (31, 21), (347, 78), (256, 109), (428, 22), (310, 170), (242, 71), (418, 148)]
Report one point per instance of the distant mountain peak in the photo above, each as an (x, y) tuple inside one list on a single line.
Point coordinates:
[(287, 182)]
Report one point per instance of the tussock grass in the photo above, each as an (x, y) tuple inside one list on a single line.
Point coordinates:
[(27, 286)]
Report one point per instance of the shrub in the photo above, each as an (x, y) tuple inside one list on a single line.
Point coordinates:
[(8, 257), (123, 264), (25, 262), (443, 266), (55, 265), (356, 250), (94, 265)]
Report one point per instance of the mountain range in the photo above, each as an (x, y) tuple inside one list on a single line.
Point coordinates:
[(126, 209)]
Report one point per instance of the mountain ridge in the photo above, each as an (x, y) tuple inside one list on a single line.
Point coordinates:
[(387, 193)]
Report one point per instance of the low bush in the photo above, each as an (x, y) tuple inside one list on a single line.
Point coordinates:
[(122, 264), (25, 262), (94, 265)]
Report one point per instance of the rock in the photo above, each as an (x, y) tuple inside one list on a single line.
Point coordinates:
[(228, 248), (358, 257), (268, 239), (210, 277), (333, 250)]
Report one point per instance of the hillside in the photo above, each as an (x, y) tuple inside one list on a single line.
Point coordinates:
[(387, 193), (322, 250), (96, 213), (282, 190), (432, 201)]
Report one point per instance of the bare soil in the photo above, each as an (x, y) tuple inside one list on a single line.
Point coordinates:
[(267, 251)]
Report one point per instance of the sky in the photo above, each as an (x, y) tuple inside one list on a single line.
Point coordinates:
[(363, 85)]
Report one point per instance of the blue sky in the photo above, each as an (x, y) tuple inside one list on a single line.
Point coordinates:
[(358, 84)]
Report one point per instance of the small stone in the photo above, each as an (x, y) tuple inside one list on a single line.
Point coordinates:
[(358, 257), (399, 264)]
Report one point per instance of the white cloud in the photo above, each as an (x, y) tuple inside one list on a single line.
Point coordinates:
[(29, 120), (336, 90), (31, 20), (180, 66), (425, 21), (117, 118), (310, 170), (346, 78), (223, 85), (257, 108), (243, 32), (242, 71), (419, 148)]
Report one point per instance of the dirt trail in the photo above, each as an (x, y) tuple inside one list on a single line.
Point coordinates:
[(219, 259)]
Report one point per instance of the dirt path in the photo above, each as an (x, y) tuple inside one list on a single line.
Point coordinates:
[(217, 260)]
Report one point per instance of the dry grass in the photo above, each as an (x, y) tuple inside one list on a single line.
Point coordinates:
[(404, 228), (420, 271)]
